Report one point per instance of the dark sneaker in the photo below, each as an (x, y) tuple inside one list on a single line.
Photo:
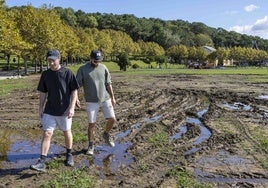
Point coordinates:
[(39, 166), (90, 150), (108, 139), (69, 159)]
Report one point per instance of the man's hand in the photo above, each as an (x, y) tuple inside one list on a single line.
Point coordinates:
[(71, 113), (78, 103)]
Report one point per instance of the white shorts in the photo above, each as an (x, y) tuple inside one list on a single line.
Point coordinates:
[(50, 122), (93, 109)]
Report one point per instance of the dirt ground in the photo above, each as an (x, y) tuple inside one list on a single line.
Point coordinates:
[(215, 127)]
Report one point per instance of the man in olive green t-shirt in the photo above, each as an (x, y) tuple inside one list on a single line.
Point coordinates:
[(95, 78)]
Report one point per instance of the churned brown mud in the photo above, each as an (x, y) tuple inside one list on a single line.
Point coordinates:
[(216, 127)]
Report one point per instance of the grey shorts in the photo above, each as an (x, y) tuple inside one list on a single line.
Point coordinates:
[(93, 109), (50, 122)]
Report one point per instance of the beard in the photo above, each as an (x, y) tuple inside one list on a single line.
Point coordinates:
[(93, 64)]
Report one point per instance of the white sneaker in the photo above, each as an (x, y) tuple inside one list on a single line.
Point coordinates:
[(108, 139), (90, 150)]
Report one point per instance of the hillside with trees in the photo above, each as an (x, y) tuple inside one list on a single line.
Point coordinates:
[(28, 32)]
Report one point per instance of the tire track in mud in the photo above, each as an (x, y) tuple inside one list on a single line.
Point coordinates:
[(149, 111), (174, 114), (171, 106)]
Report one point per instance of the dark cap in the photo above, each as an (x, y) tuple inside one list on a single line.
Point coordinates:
[(96, 54), (53, 54)]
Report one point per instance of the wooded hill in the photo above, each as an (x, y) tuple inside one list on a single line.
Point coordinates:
[(29, 32), (165, 33)]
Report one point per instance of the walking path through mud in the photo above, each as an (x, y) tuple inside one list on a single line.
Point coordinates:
[(215, 127)]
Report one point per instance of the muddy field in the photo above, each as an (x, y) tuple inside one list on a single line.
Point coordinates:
[(212, 127)]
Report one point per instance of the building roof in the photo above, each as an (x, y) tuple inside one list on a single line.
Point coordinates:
[(209, 49)]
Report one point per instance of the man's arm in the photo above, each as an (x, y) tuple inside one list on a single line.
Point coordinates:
[(72, 103), (42, 100), (111, 93)]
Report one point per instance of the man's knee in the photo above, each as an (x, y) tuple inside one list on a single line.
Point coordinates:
[(48, 134), (111, 120)]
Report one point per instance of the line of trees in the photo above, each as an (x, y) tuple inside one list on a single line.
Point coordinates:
[(29, 32)]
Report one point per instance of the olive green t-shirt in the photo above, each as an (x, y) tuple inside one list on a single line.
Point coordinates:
[(94, 81)]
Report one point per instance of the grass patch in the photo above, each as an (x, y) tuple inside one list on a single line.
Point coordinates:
[(72, 178), (54, 164), (261, 137), (185, 179), (79, 136), (181, 69), (159, 140), (226, 71), (9, 85)]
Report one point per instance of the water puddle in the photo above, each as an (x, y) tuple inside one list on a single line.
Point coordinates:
[(265, 97), (127, 132), (18, 150), (108, 159), (153, 119), (204, 135), (207, 169), (237, 106), (178, 135), (204, 131)]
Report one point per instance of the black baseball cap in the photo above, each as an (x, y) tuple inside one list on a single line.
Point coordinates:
[(53, 54), (96, 54)]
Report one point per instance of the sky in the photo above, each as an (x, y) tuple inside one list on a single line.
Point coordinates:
[(243, 16)]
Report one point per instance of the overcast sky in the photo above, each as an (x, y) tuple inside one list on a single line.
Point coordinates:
[(243, 16)]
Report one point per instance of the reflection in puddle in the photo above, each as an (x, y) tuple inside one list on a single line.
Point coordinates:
[(18, 151), (108, 160), (237, 106)]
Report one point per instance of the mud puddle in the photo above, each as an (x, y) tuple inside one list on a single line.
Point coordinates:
[(237, 106), (109, 159), (265, 97), (214, 168), (20, 149), (204, 134)]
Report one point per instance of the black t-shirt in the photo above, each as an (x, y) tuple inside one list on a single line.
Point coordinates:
[(59, 86)]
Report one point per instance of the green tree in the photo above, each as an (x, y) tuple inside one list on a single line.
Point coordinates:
[(11, 42), (44, 29), (177, 53), (67, 15), (203, 40), (123, 61), (222, 54), (85, 20), (86, 43)]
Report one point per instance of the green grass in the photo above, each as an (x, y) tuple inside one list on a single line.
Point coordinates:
[(180, 69), (9, 85), (185, 179), (226, 71), (71, 178), (261, 74), (159, 139), (261, 138)]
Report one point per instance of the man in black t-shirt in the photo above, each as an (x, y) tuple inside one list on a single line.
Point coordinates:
[(58, 94)]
